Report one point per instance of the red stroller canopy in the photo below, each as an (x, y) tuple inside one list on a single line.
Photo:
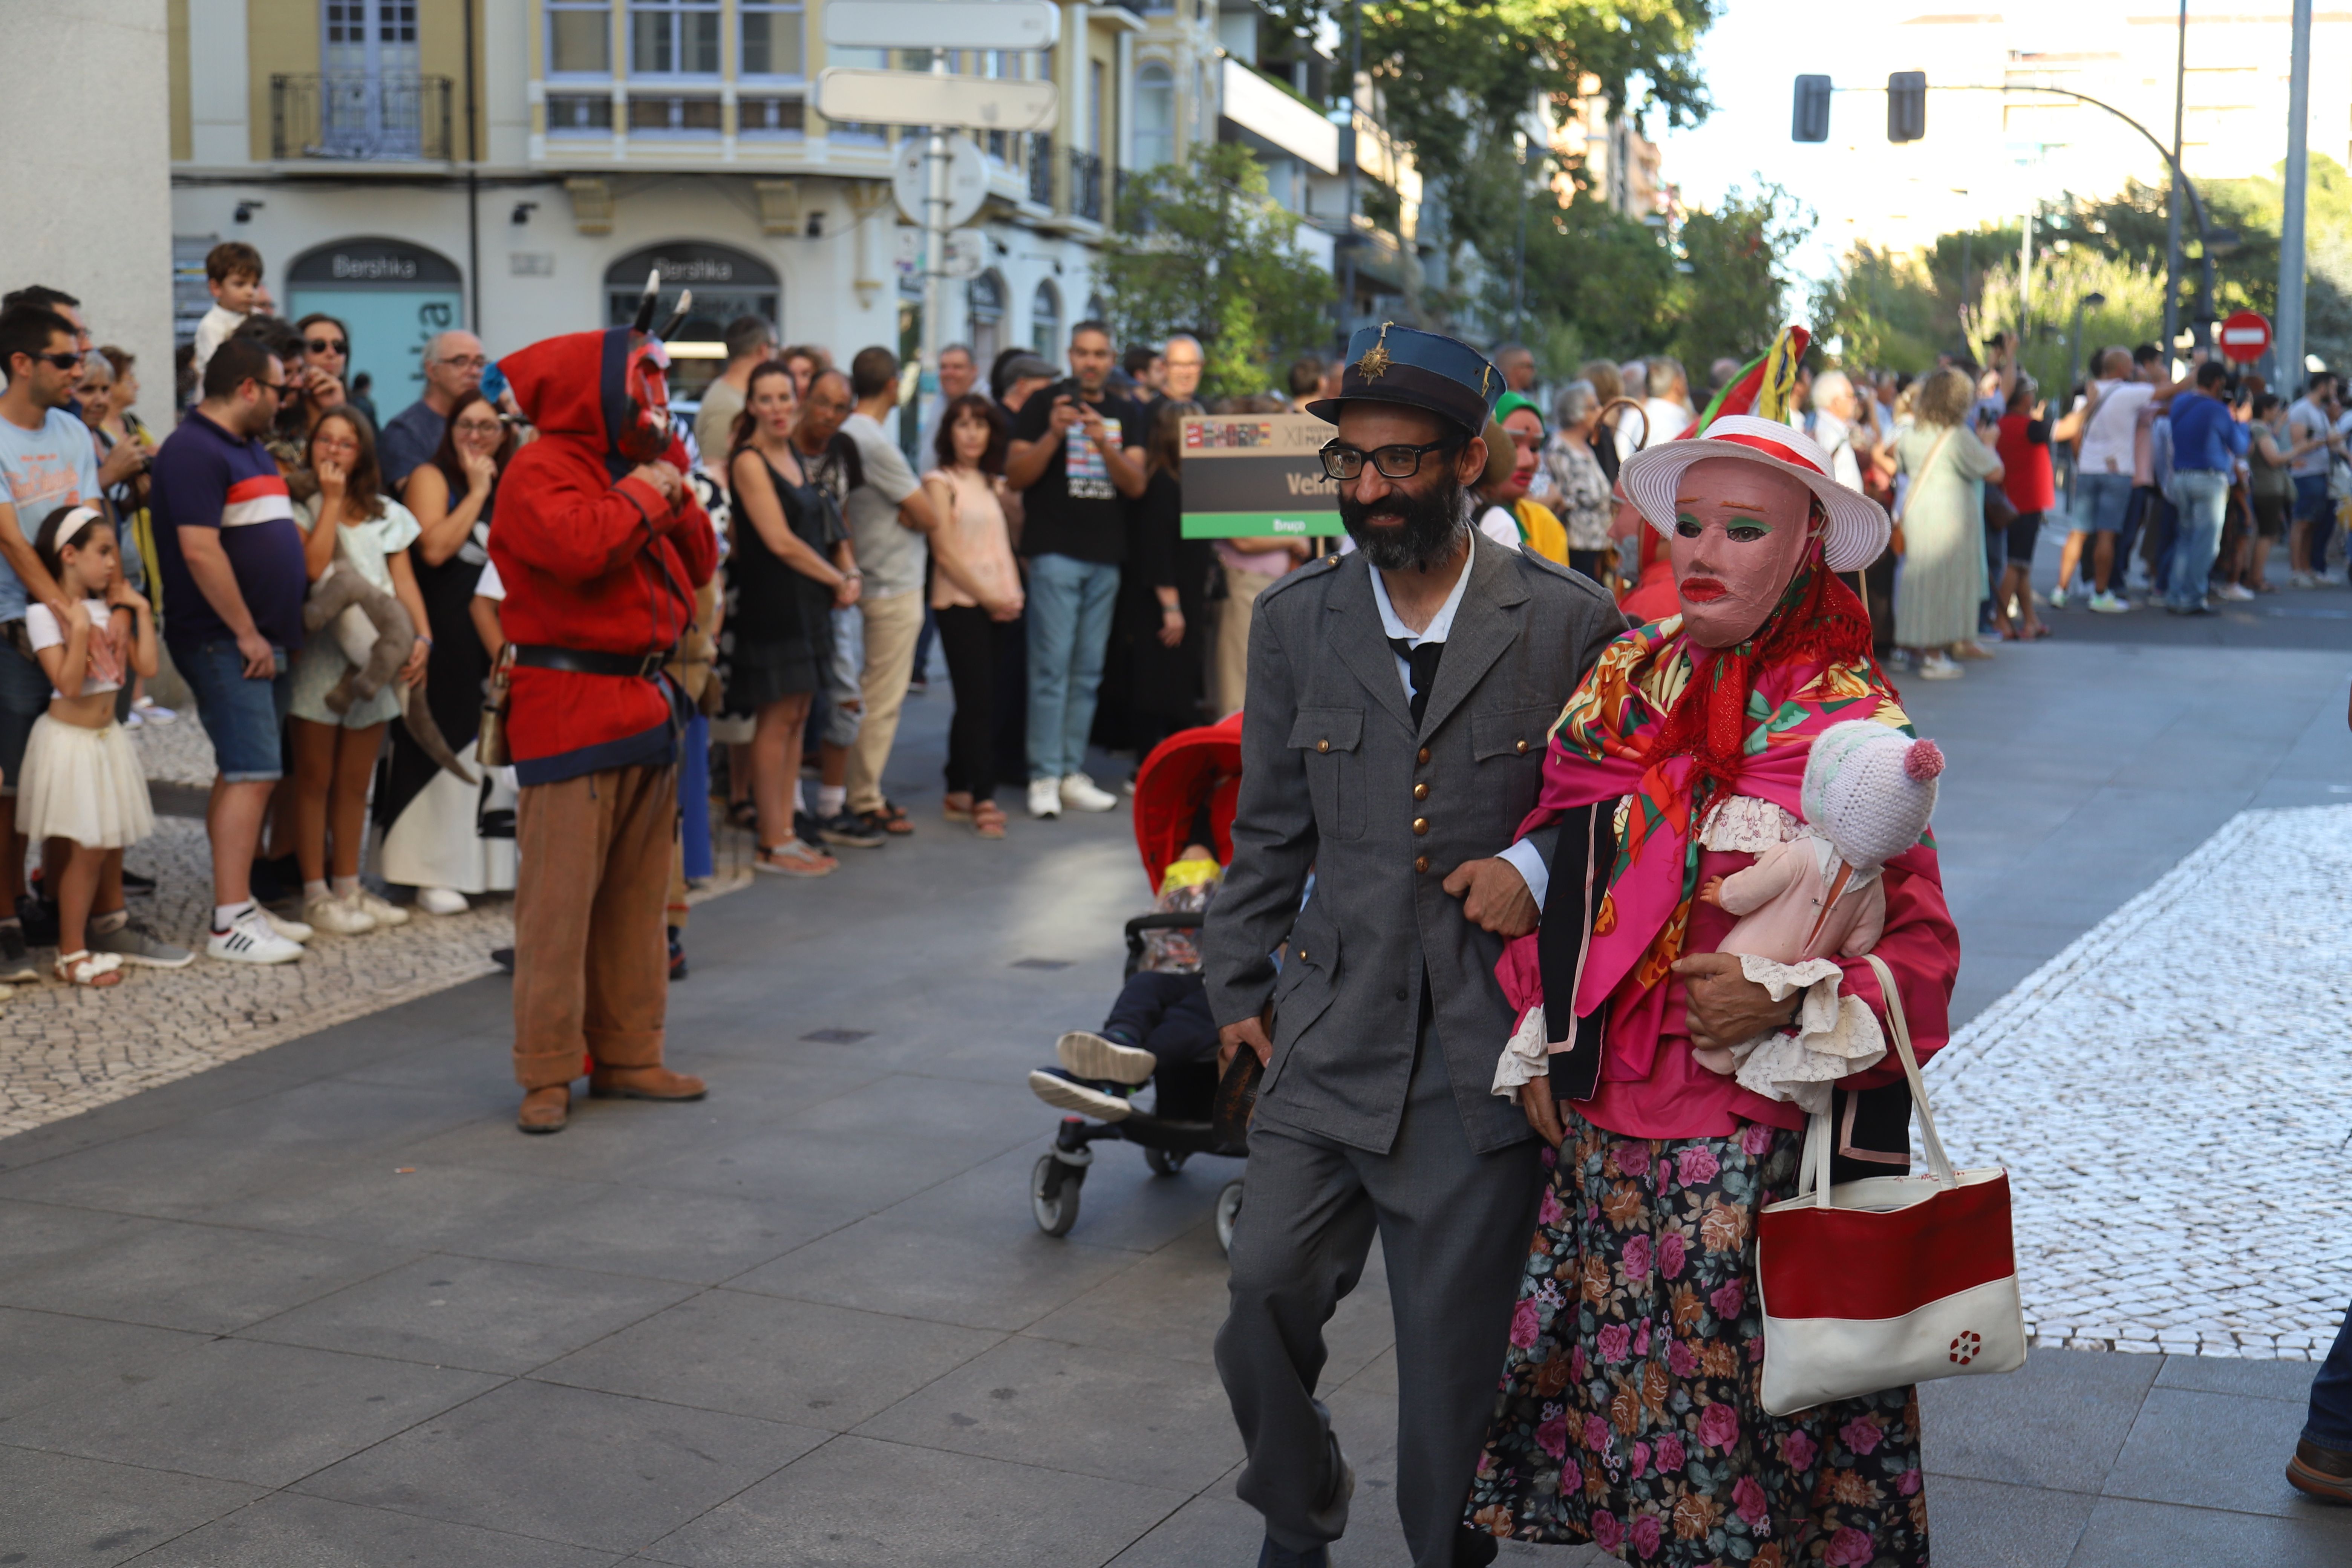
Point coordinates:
[(1189, 767)]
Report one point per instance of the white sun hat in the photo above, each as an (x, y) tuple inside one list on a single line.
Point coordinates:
[(1857, 528)]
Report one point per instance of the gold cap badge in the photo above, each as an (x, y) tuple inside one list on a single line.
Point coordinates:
[(1375, 362)]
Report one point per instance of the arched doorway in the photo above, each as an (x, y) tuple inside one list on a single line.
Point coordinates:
[(393, 297), (727, 283), (984, 303), (1046, 323)]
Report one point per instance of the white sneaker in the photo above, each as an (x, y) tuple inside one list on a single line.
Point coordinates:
[(2108, 604), (1939, 665), (2057, 600), (1080, 793), (441, 901), (1045, 797), (338, 917), (2237, 591), (384, 913), (292, 930), (250, 940)]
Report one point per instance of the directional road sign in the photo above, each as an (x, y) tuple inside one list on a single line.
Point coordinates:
[(2245, 337), (914, 98), (942, 24), (967, 179)]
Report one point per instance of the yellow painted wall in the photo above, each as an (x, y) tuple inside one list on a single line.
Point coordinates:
[(282, 37), (183, 138)]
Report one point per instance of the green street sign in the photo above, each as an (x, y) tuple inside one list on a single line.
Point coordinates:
[(1257, 475)]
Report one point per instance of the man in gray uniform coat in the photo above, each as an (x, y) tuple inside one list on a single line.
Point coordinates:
[(1400, 699)]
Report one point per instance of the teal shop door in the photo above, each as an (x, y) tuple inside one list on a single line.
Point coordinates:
[(393, 296)]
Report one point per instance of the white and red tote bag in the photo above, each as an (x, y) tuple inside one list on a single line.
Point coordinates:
[(1890, 1280)]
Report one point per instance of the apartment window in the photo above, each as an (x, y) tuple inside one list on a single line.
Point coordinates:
[(760, 115), (579, 114), (1154, 117), (683, 116), (674, 37), (772, 31), (579, 37)]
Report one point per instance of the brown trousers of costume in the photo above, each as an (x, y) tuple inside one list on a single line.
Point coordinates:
[(591, 961)]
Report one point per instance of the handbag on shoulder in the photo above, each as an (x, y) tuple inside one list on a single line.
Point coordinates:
[(1888, 1280)]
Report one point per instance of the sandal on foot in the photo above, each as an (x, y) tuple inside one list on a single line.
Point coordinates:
[(84, 967), (954, 813), (988, 820), (892, 817), (744, 813), (794, 857)]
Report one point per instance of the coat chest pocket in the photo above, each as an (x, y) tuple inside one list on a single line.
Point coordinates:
[(1329, 742), (1512, 732)]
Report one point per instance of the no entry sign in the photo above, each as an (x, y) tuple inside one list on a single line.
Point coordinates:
[(2245, 337)]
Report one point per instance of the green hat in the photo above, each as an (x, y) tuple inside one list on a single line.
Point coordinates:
[(1510, 402)]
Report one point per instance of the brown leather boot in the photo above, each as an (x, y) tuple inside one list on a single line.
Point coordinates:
[(2325, 1473), (545, 1109), (644, 1083)]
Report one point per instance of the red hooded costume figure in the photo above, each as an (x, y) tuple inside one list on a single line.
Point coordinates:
[(594, 561)]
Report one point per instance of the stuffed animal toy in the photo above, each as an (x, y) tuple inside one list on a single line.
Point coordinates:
[(1868, 792), (375, 635)]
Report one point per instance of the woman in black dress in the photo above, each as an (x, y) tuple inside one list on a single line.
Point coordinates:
[(783, 585), (431, 842), (1167, 581)]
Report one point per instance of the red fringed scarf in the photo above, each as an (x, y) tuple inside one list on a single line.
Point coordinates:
[(1818, 620)]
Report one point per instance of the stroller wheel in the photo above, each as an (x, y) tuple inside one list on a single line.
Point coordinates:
[(1229, 1208), (1054, 1194), (1162, 1162)]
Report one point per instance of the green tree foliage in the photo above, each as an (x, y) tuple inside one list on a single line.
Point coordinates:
[(1201, 248), (1731, 297)]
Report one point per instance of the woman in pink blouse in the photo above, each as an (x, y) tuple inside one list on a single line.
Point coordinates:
[(1630, 1414)]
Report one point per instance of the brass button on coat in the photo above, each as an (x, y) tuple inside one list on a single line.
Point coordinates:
[(1422, 755), (1326, 745), (1421, 792), (1523, 747), (1420, 863), (1421, 825)]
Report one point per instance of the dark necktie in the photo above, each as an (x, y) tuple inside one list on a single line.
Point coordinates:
[(1422, 660)]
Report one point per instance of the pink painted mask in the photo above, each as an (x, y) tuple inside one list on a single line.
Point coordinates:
[(1741, 530)]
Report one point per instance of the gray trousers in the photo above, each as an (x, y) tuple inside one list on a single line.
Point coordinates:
[(1453, 1226)]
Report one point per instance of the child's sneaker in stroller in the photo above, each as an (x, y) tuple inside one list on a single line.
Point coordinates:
[(1084, 1054)]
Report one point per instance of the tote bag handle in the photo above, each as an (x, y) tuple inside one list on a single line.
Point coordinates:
[(1813, 1175)]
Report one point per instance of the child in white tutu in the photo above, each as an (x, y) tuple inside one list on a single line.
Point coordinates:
[(81, 779)]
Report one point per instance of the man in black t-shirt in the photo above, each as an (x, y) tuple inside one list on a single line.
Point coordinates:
[(1077, 458)]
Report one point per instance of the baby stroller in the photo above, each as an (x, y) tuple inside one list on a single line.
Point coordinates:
[(1190, 769)]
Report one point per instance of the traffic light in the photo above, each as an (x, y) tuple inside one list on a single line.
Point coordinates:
[(1811, 122), (1906, 106)]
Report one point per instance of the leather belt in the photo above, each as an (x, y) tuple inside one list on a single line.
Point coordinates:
[(592, 661)]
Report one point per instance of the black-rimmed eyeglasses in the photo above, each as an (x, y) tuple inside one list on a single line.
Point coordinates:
[(1400, 461)]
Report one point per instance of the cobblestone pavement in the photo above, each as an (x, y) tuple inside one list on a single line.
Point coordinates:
[(2163, 1092), (64, 1051)]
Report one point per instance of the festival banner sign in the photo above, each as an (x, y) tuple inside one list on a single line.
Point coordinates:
[(1255, 475)]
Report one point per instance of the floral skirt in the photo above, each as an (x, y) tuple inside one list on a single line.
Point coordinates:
[(1629, 1413)]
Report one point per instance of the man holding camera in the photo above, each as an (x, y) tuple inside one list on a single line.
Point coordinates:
[(1077, 457)]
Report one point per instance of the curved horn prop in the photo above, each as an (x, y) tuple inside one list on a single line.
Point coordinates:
[(677, 316), (646, 305)]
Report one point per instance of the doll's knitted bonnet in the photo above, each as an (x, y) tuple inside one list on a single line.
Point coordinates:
[(1870, 789)]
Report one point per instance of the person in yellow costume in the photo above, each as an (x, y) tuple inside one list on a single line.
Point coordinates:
[(1507, 513)]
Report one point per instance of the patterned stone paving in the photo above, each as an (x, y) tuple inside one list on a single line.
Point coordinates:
[(64, 1051), (2171, 1096)]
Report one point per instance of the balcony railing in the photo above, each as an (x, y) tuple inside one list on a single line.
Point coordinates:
[(1041, 169), (1086, 186), (359, 116)]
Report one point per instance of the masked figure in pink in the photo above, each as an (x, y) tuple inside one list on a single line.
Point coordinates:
[(1628, 1414)]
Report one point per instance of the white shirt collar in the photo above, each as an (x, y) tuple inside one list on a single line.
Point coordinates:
[(1440, 624)]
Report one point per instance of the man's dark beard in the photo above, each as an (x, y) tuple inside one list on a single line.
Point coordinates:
[(1434, 522)]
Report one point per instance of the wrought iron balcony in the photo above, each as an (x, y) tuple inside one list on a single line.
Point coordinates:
[(359, 116), (1086, 186), (1041, 169)]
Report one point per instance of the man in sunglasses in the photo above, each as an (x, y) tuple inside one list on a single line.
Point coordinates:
[(454, 363), (1399, 700)]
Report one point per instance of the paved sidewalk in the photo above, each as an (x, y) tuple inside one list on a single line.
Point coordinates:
[(322, 1305)]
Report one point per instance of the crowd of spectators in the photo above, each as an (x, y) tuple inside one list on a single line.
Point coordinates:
[(1022, 518)]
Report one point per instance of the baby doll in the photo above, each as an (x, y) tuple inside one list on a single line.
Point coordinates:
[(1868, 792)]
